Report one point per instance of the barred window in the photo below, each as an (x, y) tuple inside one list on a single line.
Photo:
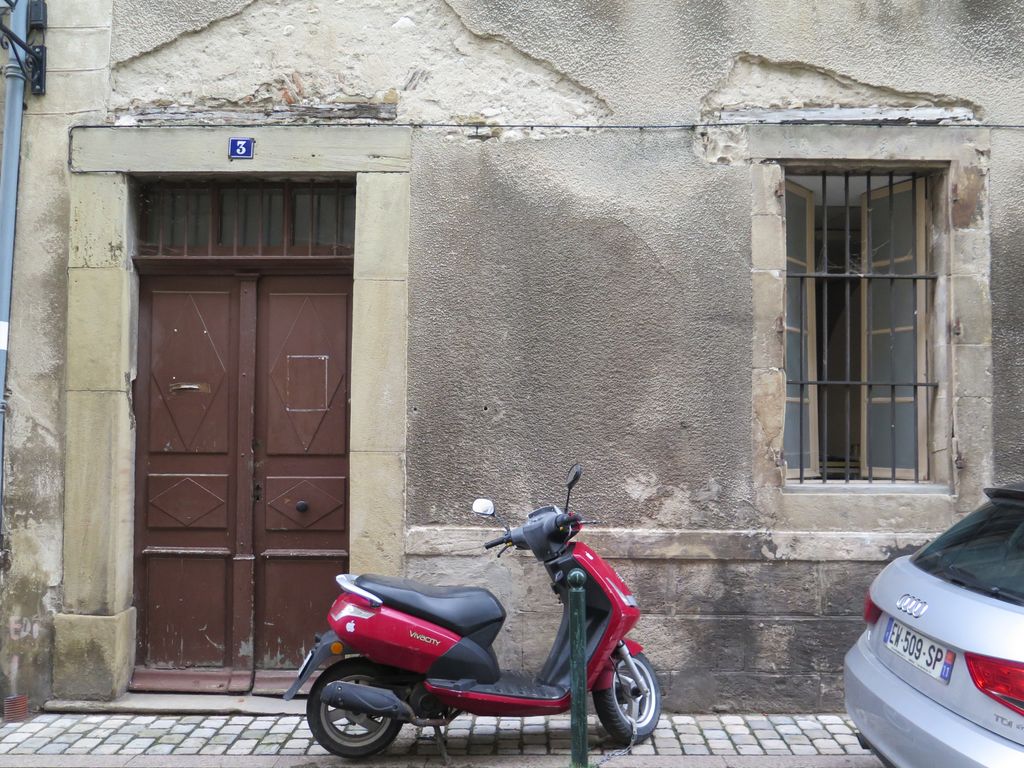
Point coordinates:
[(859, 291), (199, 217)]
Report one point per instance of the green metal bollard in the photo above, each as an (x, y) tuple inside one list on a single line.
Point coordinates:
[(578, 665)]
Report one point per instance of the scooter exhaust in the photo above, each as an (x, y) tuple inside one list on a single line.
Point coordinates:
[(367, 700)]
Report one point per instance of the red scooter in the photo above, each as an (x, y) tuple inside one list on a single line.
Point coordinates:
[(404, 652)]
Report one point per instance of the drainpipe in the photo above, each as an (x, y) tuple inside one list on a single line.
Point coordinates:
[(14, 106)]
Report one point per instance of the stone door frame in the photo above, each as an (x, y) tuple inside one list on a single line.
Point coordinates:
[(94, 643)]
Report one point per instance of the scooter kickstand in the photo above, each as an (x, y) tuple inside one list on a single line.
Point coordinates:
[(442, 745)]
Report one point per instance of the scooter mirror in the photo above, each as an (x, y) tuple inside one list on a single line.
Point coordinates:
[(483, 507), (574, 476)]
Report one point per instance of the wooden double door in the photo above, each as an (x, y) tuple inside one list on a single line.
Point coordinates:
[(241, 404)]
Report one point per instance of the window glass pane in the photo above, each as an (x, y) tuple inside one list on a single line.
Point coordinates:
[(325, 217), (273, 217), (228, 212), (173, 219), (198, 221), (791, 435), (796, 357), (881, 415), (302, 211), (902, 235), (797, 215), (892, 359), (183, 217), (248, 218)]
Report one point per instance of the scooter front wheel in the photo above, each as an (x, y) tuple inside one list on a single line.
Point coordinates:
[(620, 711), (346, 733)]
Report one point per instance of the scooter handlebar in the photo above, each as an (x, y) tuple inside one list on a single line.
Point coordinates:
[(503, 539)]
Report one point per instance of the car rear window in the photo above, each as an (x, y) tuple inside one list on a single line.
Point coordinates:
[(984, 552)]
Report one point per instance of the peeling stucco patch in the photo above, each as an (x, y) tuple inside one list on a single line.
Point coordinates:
[(756, 82), (420, 57), (721, 145)]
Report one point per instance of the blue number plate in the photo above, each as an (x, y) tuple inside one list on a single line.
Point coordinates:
[(241, 148)]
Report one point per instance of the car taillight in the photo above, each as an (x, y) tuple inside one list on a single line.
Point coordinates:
[(1001, 679), (871, 611)]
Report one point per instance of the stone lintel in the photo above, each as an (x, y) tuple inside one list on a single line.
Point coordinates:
[(315, 149), (869, 144)]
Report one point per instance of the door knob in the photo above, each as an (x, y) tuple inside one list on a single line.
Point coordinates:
[(302, 506)]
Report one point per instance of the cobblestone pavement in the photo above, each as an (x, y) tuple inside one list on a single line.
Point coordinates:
[(125, 734)]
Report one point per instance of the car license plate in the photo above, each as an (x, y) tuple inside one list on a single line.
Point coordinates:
[(923, 652)]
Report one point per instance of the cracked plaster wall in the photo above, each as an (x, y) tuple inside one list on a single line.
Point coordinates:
[(322, 53), (449, 59), (568, 301)]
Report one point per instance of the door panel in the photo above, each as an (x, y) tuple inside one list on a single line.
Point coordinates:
[(186, 477), (188, 501), (188, 401), (200, 625), (242, 475), (324, 497), (305, 406), (301, 451)]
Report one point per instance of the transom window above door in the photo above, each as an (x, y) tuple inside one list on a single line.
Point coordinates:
[(276, 219), (859, 356)]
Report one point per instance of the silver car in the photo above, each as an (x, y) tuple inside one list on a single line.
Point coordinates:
[(937, 679)]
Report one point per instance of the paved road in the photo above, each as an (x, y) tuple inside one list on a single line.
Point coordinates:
[(125, 739)]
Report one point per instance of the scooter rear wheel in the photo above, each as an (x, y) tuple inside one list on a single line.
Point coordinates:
[(342, 732), (618, 710)]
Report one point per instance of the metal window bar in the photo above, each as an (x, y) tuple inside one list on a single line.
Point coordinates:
[(846, 285), (803, 386), (913, 294), (823, 442), (892, 324), (863, 284), (869, 268)]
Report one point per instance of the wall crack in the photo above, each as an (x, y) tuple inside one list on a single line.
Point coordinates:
[(540, 61)]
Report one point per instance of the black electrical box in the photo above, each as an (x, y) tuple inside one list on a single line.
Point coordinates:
[(36, 15)]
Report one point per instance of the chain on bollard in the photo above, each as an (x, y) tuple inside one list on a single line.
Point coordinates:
[(578, 665)]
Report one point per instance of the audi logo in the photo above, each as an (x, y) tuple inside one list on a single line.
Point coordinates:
[(911, 605)]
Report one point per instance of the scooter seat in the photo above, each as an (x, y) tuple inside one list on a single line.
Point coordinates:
[(464, 610)]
